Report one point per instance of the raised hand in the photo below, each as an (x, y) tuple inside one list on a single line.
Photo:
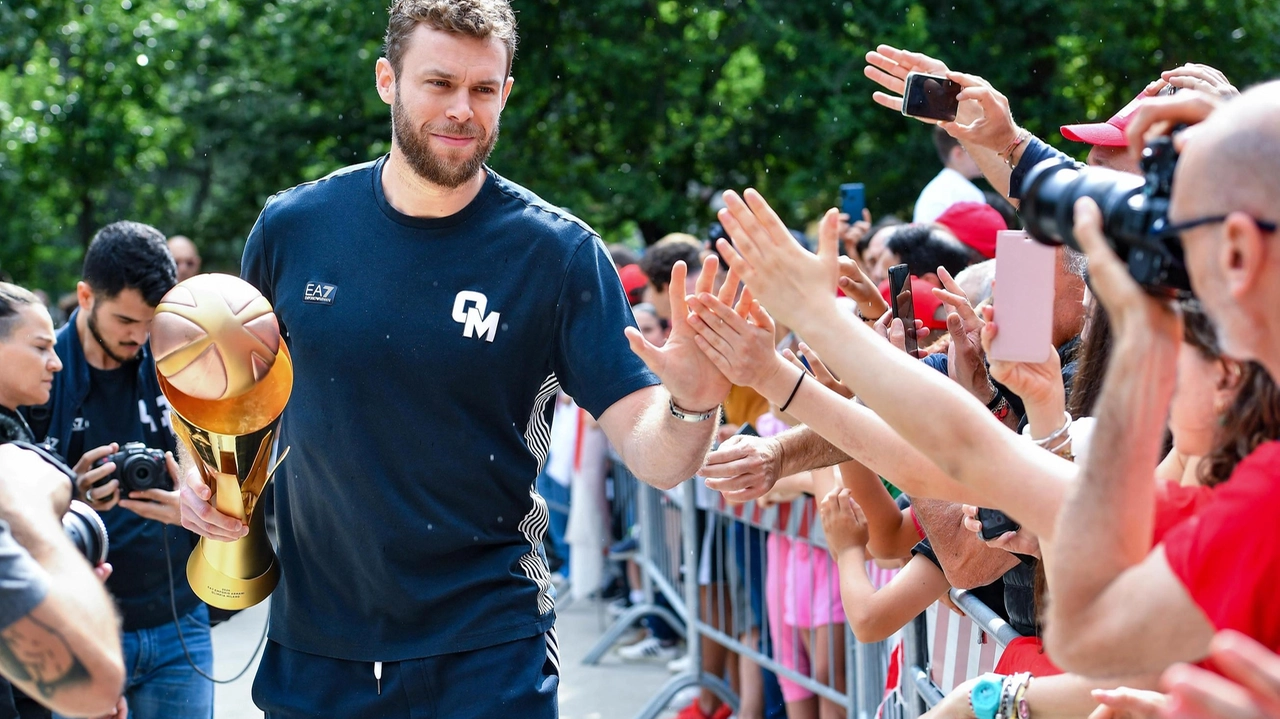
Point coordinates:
[(738, 341), (892, 329), (888, 67), (818, 370), (688, 374), (1194, 76), (843, 523), (858, 287), (966, 357), (795, 285), (993, 127), (1039, 384)]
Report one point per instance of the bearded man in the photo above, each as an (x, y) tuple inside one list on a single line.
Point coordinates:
[(433, 309)]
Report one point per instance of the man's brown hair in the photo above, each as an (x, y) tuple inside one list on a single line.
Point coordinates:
[(480, 19)]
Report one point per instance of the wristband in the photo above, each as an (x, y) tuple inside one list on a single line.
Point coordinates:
[(999, 406), (795, 389), (984, 698), (685, 415), (1007, 155)]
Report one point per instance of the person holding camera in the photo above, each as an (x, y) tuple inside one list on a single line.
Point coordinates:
[(33, 619), (108, 418)]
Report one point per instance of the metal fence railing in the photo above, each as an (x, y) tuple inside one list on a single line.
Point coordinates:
[(758, 582)]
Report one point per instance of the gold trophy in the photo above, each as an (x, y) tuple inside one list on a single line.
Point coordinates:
[(227, 378)]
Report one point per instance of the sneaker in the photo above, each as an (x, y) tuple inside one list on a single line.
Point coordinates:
[(680, 665), (626, 546), (649, 649)]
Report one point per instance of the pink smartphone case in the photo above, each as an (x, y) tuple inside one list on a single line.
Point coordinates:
[(1023, 298)]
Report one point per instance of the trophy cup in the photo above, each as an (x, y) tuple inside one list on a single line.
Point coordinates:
[(227, 377)]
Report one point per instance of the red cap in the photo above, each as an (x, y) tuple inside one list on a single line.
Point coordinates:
[(633, 281), (1109, 133), (976, 224), (923, 301)]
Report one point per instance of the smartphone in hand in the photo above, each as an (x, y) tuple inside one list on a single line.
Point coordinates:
[(930, 97), (903, 304), (995, 523), (1025, 272), (853, 200)]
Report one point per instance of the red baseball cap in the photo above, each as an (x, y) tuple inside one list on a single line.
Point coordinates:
[(633, 281), (976, 224), (923, 302), (1109, 133)]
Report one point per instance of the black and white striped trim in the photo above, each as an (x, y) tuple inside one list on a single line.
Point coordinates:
[(534, 526), (553, 648)]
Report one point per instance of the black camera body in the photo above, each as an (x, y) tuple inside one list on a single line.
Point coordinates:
[(138, 467), (1135, 212)]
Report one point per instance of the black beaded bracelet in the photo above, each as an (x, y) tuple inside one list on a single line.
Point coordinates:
[(795, 389)]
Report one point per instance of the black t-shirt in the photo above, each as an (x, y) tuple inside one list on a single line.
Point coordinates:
[(110, 413), (427, 355)]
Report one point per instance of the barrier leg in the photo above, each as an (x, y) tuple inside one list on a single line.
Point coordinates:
[(625, 622)]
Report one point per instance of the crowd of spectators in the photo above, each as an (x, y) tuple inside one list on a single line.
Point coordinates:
[(1138, 461)]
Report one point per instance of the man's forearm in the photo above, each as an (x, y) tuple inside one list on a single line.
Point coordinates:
[(1106, 519), (664, 450), (67, 651), (966, 560), (801, 449)]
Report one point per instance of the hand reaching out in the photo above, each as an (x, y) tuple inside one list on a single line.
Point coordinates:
[(738, 341), (892, 329), (692, 379), (1039, 384), (852, 231), (843, 523), (1194, 76), (795, 285), (858, 287), (966, 356), (818, 370), (1019, 542), (992, 127)]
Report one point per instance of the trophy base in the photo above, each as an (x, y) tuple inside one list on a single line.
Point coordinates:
[(218, 589)]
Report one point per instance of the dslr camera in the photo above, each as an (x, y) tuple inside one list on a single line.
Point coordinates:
[(1135, 213), (138, 467)]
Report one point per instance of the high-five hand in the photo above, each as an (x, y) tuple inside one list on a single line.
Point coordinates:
[(795, 285), (692, 379)]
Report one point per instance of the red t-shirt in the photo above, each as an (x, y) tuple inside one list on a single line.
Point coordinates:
[(1228, 554), (1176, 503)]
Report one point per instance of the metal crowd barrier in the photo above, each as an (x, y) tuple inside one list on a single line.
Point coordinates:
[(941, 650), (707, 562)]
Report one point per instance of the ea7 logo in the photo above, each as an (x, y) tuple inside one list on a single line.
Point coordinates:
[(320, 293), (468, 309)]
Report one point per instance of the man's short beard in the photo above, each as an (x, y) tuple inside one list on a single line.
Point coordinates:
[(93, 330), (415, 146)]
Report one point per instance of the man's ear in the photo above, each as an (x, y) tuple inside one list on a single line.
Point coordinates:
[(385, 77), (506, 90), (84, 296), (1242, 254)]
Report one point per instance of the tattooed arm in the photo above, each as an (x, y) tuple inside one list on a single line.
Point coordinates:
[(59, 635)]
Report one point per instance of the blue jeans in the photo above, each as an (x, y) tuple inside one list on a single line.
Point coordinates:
[(161, 684), (557, 499)]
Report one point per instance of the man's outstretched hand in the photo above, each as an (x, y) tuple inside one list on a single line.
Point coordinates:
[(693, 381)]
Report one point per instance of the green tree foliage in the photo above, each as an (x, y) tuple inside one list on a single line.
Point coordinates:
[(188, 114)]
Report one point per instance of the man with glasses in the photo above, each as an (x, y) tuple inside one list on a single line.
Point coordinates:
[(1120, 607)]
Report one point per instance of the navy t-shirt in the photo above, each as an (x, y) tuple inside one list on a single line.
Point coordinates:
[(427, 356)]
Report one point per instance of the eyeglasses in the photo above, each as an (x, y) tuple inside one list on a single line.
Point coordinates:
[(1175, 230)]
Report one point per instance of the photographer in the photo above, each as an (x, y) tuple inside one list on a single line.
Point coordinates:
[(50, 605), (1217, 570), (106, 397)]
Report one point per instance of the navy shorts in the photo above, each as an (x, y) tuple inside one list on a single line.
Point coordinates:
[(516, 679)]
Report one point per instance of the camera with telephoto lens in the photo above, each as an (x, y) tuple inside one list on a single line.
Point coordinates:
[(1135, 213), (86, 531), (138, 467)]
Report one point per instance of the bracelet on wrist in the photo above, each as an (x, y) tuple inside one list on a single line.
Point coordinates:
[(685, 415), (1007, 155), (1054, 439), (794, 390)]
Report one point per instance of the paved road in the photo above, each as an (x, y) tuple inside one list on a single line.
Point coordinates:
[(612, 690)]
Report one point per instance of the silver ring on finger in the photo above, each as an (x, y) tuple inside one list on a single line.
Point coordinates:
[(88, 496)]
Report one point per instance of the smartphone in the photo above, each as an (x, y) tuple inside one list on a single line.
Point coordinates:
[(1025, 270), (902, 303), (853, 200), (995, 523), (748, 430), (930, 97)]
